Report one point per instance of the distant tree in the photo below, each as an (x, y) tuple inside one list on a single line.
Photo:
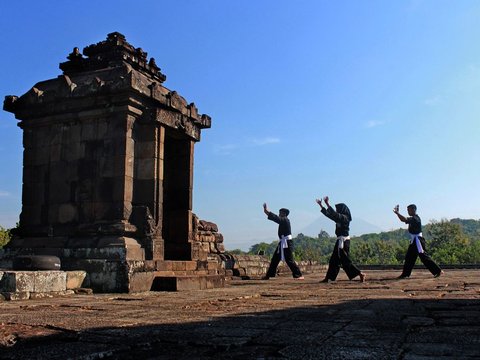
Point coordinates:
[(237, 252), (5, 236), (323, 234), (447, 242), (267, 249)]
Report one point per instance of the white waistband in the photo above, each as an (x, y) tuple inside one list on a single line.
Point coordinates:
[(341, 240)]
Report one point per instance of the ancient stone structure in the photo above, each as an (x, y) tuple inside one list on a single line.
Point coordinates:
[(108, 174)]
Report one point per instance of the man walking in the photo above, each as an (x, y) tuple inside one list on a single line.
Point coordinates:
[(417, 244), (284, 248)]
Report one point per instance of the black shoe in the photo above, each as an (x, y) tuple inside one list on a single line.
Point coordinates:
[(324, 281), (439, 274), (403, 277)]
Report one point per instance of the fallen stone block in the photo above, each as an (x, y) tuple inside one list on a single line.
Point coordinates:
[(75, 279)]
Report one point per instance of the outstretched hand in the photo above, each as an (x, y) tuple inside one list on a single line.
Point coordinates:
[(265, 209), (319, 202), (326, 199), (396, 209)]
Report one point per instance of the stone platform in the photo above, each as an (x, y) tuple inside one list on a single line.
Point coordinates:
[(418, 318)]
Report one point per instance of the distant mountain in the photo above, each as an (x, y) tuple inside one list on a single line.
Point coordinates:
[(357, 227)]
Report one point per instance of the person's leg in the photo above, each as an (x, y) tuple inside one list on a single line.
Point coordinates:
[(428, 262), (410, 258), (333, 265), (288, 253), (272, 269), (351, 270)]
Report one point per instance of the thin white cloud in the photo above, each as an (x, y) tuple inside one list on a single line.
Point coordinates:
[(226, 149), (265, 141), (374, 123), (4, 193)]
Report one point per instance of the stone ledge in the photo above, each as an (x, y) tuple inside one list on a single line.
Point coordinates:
[(193, 282), (21, 285)]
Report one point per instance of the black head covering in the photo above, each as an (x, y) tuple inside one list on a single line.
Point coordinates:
[(286, 211), (413, 206), (344, 210)]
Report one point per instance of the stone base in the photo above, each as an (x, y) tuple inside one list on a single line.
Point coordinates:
[(115, 264), (188, 282), (22, 285)]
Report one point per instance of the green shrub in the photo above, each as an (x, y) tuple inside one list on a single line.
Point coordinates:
[(5, 236)]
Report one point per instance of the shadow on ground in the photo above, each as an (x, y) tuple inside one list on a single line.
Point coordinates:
[(360, 329)]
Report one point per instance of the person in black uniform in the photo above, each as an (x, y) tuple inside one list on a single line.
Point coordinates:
[(340, 255), (417, 244), (284, 248)]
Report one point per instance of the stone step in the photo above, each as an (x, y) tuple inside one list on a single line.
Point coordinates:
[(177, 265), (187, 282)]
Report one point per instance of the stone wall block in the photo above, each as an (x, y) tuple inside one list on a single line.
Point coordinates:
[(46, 281), (41, 156), (145, 168), (73, 150), (205, 247), (215, 281), (145, 149), (17, 281), (191, 265), (88, 131), (75, 279), (20, 295), (218, 237), (221, 248), (33, 193), (212, 247), (141, 281)]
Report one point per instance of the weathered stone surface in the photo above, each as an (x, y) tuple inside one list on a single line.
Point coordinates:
[(141, 281), (18, 281), (75, 279), (281, 318), (18, 295), (48, 281)]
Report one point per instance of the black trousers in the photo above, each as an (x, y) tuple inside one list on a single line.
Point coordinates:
[(340, 257), (277, 256), (411, 258)]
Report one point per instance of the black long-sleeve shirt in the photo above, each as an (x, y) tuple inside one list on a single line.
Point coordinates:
[(414, 224), (342, 223), (284, 228)]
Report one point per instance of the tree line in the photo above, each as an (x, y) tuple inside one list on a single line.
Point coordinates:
[(455, 241)]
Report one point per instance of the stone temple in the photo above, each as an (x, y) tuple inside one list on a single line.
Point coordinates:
[(108, 175)]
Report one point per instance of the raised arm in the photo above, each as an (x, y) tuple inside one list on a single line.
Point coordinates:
[(319, 202), (265, 209), (270, 215), (400, 216)]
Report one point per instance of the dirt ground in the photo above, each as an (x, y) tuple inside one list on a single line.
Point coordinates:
[(282, 318)]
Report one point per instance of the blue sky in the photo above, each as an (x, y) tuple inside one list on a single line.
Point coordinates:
[(373, 103)]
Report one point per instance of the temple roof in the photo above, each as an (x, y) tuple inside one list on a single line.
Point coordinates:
[(110, 53)]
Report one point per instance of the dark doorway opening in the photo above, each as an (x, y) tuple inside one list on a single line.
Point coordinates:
[(177, 191)]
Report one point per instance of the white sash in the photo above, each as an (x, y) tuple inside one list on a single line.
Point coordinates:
[(416, 238), (284, 245), (341, 240)]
